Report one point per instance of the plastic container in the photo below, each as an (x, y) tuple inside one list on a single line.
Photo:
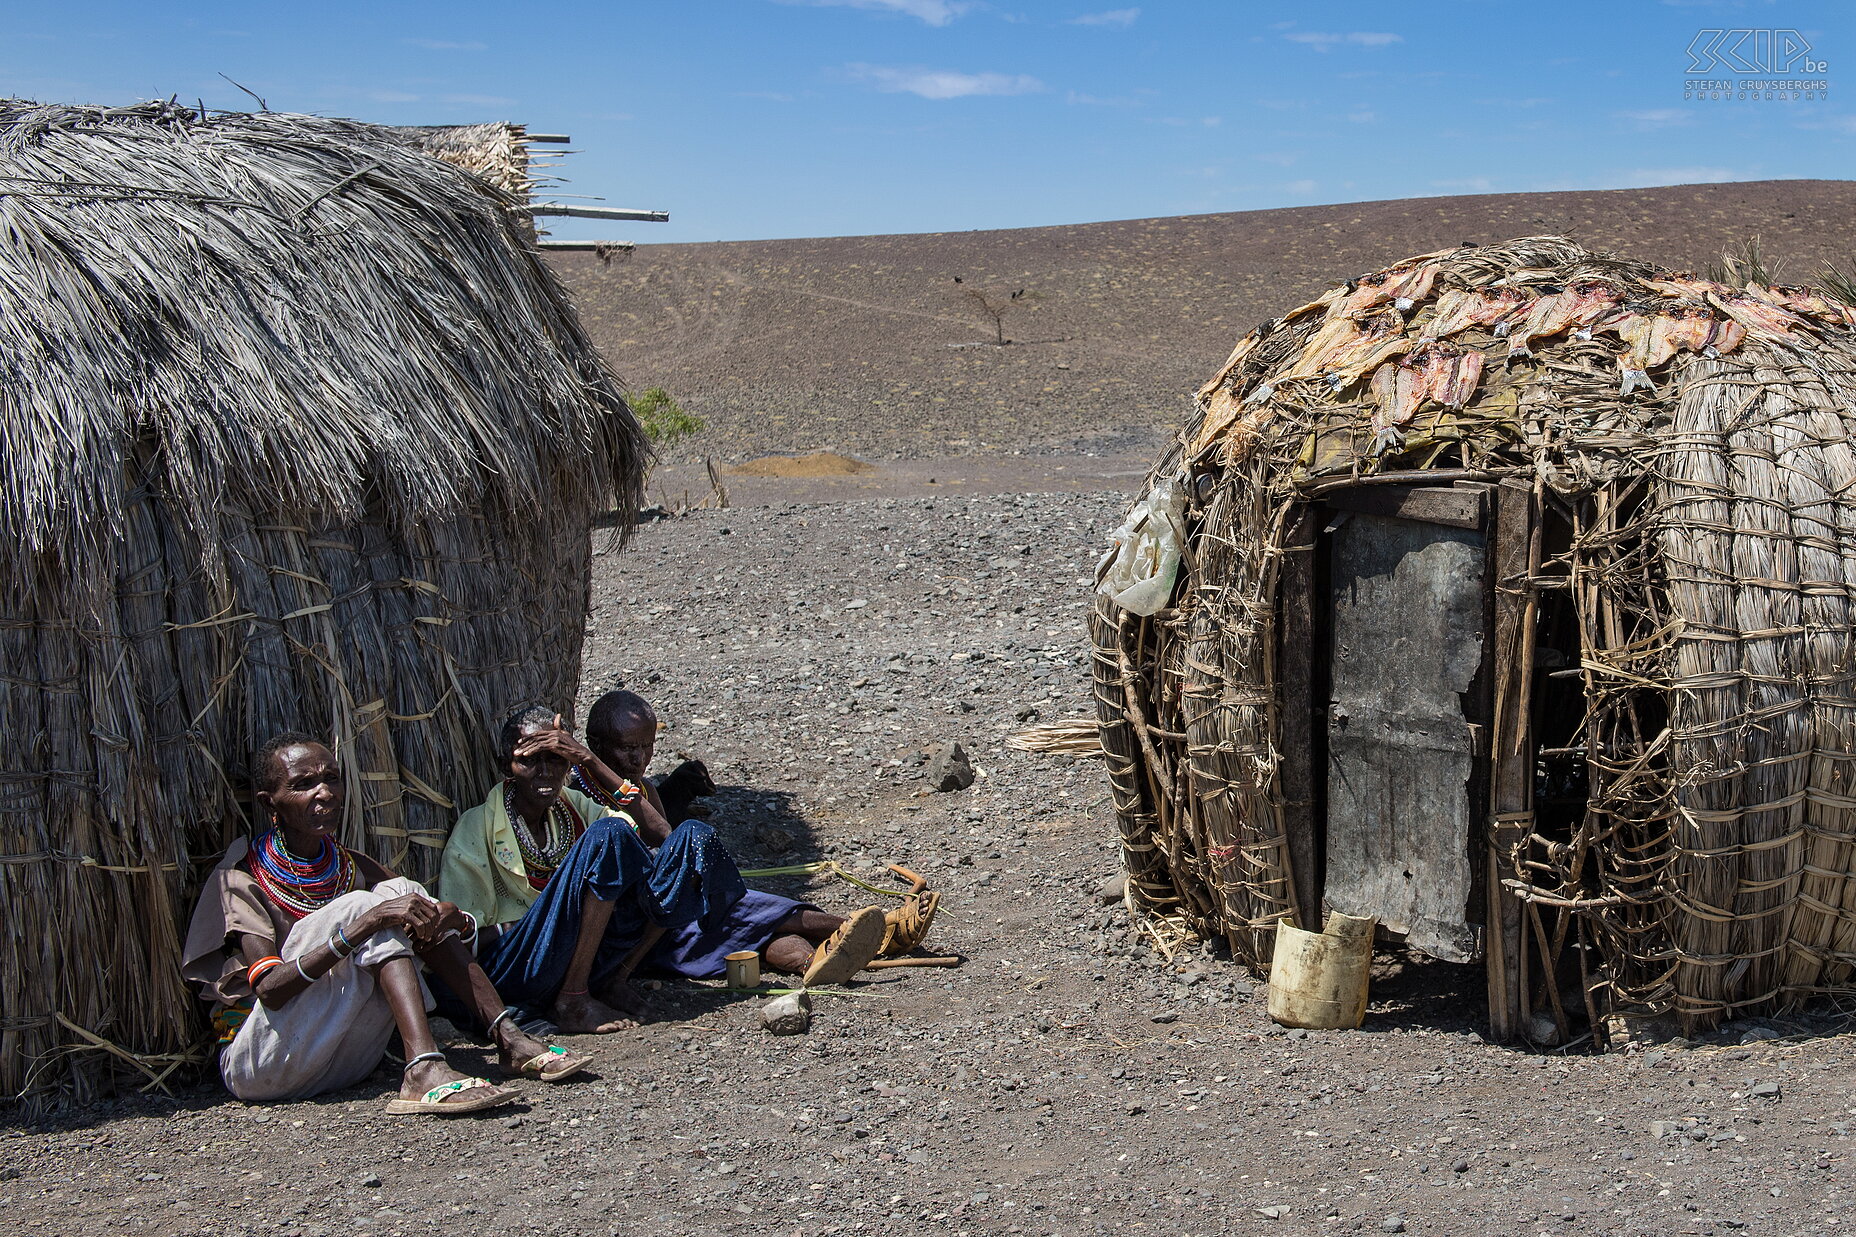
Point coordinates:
[(1319, 980)]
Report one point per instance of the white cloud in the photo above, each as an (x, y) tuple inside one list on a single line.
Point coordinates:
[(391, 96), (1466, 184), (1658, 118), (941, 83), (1280, 158), (1361, 116), (1300, 187), (932, 12), (446, 45), (1113, 17), (1322, 42)]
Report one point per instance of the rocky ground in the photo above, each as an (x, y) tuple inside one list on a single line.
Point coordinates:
[(869, 345), (1068, 1079)]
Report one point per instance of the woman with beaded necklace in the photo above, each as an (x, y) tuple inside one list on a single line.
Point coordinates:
[(311, 954), (570, 899)]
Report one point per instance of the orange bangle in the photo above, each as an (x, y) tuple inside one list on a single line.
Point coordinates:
[(257, 970)]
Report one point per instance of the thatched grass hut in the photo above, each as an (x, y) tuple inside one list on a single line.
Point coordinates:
[(300, 432), (1514, 608)]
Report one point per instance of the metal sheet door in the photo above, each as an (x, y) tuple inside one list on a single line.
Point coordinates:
[(1409, 611)]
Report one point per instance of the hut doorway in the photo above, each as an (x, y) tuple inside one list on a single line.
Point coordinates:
[(1387, 636), (1407, 622)]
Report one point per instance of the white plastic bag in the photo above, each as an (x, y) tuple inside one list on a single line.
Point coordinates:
[(1138, 571)]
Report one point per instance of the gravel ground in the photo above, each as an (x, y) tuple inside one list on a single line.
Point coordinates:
[(865, 344), (1066, 1079)]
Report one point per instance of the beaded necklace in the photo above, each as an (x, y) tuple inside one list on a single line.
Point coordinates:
[(300, 886), (542, 856)]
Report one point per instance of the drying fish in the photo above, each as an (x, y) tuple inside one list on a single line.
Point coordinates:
[(1688, 286), (1404, 285), (1371, 291), (1805, 302), (1458, 310), (1654, 336), (1438, 372), (1398, 389), (1562, 309), (1762, 319), (1415, 286), (1346, 346), (1381, 338), (1698, 328), (1454, 374), (1724, 337), (1338, 331)]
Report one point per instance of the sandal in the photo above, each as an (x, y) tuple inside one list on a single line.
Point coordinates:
[(906, 927), (848, 950), (552, 1065), (438, 1100)]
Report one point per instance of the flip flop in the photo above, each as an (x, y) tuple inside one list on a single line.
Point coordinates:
[(553, 1065), (434, 1102), (848, 950)]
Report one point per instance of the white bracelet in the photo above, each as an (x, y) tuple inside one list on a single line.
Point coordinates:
[(473, 923), (307, 978)]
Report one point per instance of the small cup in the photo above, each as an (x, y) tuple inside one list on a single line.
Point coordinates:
[(743, 969)]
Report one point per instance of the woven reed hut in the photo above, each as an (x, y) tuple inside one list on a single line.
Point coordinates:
[(1514, 608), (300, 433)]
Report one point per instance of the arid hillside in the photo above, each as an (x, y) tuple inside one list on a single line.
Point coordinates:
[(868, 345)]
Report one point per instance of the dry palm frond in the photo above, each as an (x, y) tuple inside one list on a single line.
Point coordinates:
[(1078, 736), (1840, 281), (1746, 263)]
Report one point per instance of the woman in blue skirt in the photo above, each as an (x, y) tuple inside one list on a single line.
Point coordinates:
[(572, 894)]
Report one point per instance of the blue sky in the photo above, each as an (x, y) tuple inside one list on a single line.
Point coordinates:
[(766, 118)]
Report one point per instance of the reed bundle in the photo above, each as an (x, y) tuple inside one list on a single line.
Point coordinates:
[(301, 433), (1074, 736), (1700, 522)]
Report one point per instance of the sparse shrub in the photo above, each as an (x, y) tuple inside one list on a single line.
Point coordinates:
[(664, 420), (995, 304)]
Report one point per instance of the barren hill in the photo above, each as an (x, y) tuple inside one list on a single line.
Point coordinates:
[(867, 345)]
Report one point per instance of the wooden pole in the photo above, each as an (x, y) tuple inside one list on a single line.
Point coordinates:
[(1511, 777), (1302, 739), (583, 246), (552, 209)]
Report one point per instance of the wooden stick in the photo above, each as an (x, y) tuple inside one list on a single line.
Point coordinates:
[(880, 962)]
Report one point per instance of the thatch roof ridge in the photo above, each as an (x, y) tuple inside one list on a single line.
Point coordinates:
[(1547, 398), (303, 314)]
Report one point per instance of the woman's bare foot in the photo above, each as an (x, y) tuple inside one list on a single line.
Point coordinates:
[(516, 1046), (583, 1015)]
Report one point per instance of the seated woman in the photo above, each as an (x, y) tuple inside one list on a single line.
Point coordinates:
[(572, 900), (621, 730), (311, 953)]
